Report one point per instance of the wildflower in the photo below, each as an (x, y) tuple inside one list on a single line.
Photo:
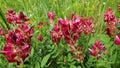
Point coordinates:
[(17, 46), (97, 49), (56, 34), (51, 17), (12, 18), (110, 20), (40, 38), (40, 24), (88, 26)]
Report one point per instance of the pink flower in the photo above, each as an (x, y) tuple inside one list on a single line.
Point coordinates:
[(12, 18), (40, 38), (51, 16), (97, 49), (71, 29), (118, 20), (40, 24), (15, 44), (110, 20), (2, 32), (88, 26), (109, 15), (17, 47), (117, 39), (118, 8), (56, 34), (93, 52), (22, 17)]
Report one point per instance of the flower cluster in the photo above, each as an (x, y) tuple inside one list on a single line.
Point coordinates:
[(71, 31), (97, 49), (117, 39), (12, 18), (88, 26), (17, 46), (110, 20)]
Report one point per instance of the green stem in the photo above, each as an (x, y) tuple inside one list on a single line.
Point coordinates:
[(82, 65), (116, 55), (21, 65)]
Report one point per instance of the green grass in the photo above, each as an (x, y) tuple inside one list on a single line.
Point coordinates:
[(37, 9)]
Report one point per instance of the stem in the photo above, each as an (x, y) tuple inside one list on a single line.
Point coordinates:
[(82, 65), (115, 63), (21, 65), (50, 63)]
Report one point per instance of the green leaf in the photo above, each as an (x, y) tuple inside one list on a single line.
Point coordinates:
[(72, 66), (37, 65), (10, 65), (3, 18), (44, 61), (2, 65), (32, 52)]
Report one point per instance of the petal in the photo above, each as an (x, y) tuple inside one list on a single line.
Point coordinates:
[(11, 60), (8, 53), (118, 34), (40, 38), (26, 54), (93, 53), (26, 46), (8, 48), (101, 47), (117, 40)]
